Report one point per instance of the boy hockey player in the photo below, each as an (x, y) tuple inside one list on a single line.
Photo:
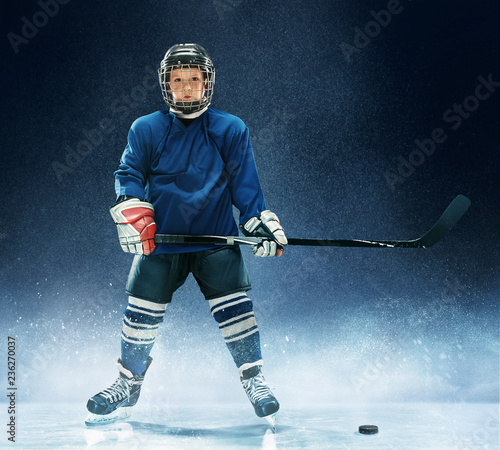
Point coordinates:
[(181, 173)]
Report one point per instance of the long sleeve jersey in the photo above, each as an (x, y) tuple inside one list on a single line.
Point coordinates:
[(191, 175)]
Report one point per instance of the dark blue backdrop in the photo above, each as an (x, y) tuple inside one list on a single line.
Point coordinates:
[(336, 96)]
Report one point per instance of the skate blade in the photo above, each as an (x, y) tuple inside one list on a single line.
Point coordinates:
[(120, 414), (272, 422), (114, 432)]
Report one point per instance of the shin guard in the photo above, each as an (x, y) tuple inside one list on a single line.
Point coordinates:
[(140, 325), (234, 314)]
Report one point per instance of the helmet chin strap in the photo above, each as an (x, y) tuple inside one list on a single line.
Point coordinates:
[(193, 115)]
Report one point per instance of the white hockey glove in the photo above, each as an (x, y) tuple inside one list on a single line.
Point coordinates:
[(266, 224), (136, 226)]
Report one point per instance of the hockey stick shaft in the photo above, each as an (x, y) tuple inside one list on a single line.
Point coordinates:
[(455, 210), (233, 240)]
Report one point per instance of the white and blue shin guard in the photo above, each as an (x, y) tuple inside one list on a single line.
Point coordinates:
[(234, 314), (140, 326), (236, 319)]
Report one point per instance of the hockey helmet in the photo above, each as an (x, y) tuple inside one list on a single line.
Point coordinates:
[(185, 57)]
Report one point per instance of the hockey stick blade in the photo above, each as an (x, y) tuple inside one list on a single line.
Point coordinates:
[(455, 210), (452, 214)]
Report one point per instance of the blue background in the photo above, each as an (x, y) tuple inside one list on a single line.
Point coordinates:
[(327, 125)]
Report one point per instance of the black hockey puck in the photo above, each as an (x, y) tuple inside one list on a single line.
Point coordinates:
[(368, 429)]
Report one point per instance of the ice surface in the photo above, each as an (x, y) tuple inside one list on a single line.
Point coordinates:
[(402, 426)]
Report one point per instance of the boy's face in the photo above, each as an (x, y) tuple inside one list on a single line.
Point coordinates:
[(186, 84)]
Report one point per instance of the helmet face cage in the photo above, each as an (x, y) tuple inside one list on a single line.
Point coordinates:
[(186, 59)]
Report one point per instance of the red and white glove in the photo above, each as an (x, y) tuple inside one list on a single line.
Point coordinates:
[(136, 225), (266, 224)]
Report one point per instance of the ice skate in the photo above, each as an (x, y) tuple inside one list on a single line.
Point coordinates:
[(263, 400), (115, 403)]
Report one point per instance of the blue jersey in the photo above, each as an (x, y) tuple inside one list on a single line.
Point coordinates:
[(191, 175)]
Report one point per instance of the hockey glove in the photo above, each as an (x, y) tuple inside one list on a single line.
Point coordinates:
[(266, 224), (136, 226)]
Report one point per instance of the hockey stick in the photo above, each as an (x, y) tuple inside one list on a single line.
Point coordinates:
[(455, 210)]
